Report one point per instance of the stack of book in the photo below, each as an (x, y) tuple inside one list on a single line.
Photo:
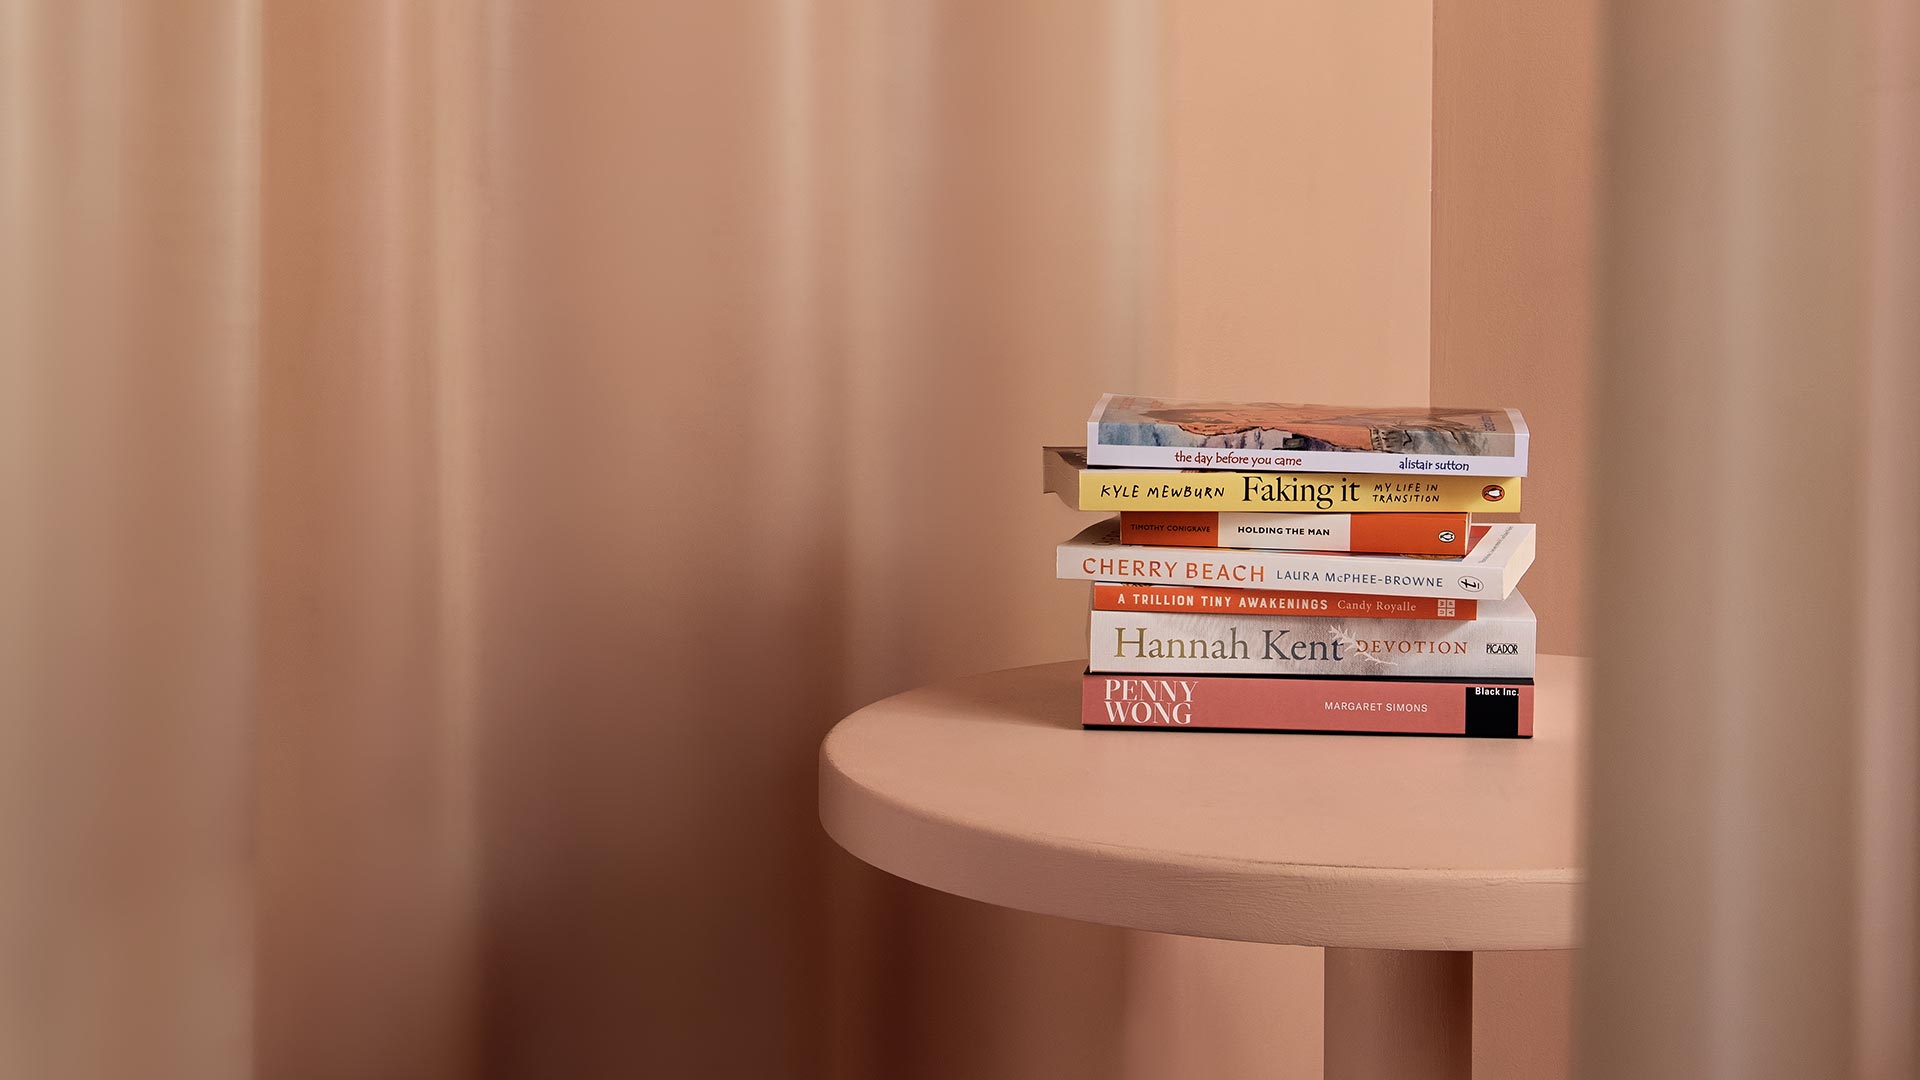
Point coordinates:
[(1301, 568)]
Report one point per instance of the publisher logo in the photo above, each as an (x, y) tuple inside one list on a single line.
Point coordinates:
[(1446, 536), (1471, 584), (1493, 493)]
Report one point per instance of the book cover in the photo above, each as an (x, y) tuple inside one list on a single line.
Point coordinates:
[(1201, 600), (1064, 472), (1391, 534), (1274, 437), (1497, 645), (1497, 557), (1494, 709)]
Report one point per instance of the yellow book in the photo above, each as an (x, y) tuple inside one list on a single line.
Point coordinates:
[(1067, 475)]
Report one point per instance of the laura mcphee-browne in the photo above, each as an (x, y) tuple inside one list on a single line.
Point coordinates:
[(1160, 569)]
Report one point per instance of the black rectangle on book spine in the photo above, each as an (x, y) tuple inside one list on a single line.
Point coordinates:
[(1493, 712)]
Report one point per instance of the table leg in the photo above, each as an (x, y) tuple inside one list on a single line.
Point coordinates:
[(1398, 1014)]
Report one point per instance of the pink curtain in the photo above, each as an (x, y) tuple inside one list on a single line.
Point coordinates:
[(462, 457), (1752, 909)]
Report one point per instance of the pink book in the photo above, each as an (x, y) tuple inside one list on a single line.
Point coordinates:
[(1481, 708)]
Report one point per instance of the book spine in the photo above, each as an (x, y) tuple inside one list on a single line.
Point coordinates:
[(1474, 708), (1127, 489), (1397, 534), (1196, 600), (1159, 642), (1492, 568), (1344, 461)]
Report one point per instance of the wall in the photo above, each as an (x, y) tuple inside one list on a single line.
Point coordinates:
[(1516, 126), (1516, 122)]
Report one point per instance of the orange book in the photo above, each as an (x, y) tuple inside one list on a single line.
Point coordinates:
[(1385, 534), (1203, 600)]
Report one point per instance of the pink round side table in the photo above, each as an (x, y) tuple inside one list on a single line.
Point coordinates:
[(1400, 855)]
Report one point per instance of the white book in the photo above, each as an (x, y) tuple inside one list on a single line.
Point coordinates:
[(1145, 432), (1491, 569), (1499, 644)]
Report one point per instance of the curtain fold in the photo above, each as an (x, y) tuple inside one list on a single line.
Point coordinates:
[(1887, 849), (365, 860), (128, 200), (1751, 912)]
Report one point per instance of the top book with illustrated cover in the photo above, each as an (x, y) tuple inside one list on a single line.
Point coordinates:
[(1143, 432)]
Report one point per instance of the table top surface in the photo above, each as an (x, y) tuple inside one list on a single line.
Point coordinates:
[(988, 788)]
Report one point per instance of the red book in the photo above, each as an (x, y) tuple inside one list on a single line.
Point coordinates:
[(1390, 534), (1482, 708)]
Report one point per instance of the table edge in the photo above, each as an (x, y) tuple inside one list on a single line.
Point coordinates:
[(1199, 895)]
